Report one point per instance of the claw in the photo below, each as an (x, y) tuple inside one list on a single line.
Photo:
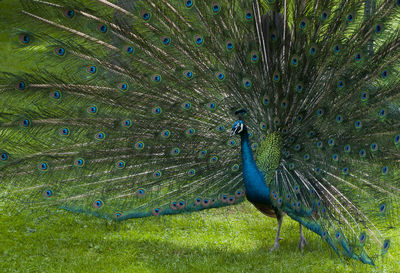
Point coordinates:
[(278, 238), (275, 247), (302, 241)]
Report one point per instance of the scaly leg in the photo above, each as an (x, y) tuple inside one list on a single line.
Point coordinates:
[(278, 238), (302, 241)]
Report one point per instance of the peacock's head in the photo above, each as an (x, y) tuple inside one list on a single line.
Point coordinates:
[(238, 128)]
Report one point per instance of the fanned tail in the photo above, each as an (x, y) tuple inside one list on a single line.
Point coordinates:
[(123, 108)]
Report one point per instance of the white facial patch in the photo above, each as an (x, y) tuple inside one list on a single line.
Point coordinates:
[(241, 128)]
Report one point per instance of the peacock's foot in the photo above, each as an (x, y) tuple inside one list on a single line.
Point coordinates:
[(275, 247), (302, 243)]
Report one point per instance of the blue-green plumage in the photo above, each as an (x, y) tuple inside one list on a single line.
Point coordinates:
[(122, 109), (256, 187)]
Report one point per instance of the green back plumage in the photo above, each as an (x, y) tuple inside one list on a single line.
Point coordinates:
[(268, 155), (122, 109)]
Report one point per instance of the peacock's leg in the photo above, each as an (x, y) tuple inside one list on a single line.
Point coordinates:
[(302, 241), (279, 217)]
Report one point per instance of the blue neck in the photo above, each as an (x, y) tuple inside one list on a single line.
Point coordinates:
[(256, 188)]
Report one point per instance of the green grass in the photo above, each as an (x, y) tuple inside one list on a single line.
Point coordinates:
[(232, 239)]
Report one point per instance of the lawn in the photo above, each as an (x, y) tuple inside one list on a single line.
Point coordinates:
[(231, 239)]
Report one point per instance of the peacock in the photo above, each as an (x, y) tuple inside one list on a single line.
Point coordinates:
[(133, 108)]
